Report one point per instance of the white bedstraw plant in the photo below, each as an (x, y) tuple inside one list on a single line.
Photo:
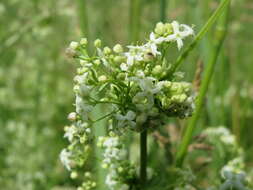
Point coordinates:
[(132, 82)]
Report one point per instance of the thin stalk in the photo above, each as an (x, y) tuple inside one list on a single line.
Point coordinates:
[(83, 19), (199, 36), (163, 8), (143, 157), (135, 14), (220, 35)]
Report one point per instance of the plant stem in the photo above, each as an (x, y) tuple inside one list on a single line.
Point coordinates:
[(135, 14), (220, 35), (198, 37), (143, 157)]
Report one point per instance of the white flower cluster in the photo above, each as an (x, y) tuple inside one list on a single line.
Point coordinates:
[(222, 133), (234, 176), (133, 85), (120, 171), (164, 33)]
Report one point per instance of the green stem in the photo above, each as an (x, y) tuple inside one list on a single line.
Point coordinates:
[(135, 14), (198, 37), (163, 8), (143, 157), (220, 35)]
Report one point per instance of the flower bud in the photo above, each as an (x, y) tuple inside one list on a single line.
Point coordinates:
[(73, 175), (118, 59), (107, 50), (97, 62), (157, 70), (168, 28), (70, 52), (118, 48), (102, 78), (159, 29), (72, 116), (83, 41), (121, 76), (87, 174), (97, 43), (73, 45)]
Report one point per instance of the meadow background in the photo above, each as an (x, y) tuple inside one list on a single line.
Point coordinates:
[(36, 76)]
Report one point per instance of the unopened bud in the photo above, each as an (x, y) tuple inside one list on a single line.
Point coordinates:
[(118, 48), (72, 116), (97, 43)]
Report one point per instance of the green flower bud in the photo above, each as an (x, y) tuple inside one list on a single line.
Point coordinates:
[(97, 43), (83, 41), (118, 59), (83, 139), (121, 76), (87, 174), (93, 184), (118, 48), (179, 98), (107, 50), (157, 70), (97, 62), (104, 166), (166, 102), (80, 188), (102, 78), (168, 28), (159, 29), (167, 84), (73, 175), (120, 169)]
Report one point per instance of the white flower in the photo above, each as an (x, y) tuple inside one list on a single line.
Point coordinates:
[(65, 158), (110, 181), (181, 31), (152, 44), (126, 120), (70, 133), (111, 142), (82, 107), (124, 67)]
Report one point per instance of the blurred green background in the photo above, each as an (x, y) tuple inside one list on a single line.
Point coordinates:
[(36, 76)]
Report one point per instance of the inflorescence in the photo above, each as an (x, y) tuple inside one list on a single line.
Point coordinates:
[(132, 85)]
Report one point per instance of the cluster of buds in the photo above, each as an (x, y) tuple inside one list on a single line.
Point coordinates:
[(88, 183), (120, 171)]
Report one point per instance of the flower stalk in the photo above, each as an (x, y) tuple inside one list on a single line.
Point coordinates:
[(143, 158), (220, 35)]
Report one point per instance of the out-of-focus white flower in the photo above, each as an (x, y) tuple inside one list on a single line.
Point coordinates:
[(180, 31), (126, 119), (70, 133), (65, 158)]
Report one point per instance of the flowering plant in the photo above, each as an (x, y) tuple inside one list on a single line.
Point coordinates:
[(134, 86)]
